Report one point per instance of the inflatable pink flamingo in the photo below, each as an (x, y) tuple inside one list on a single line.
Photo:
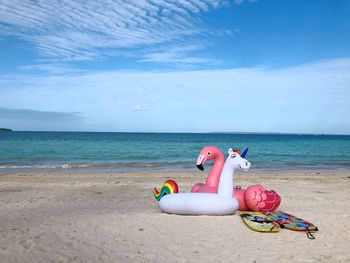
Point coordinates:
[(255, 197)]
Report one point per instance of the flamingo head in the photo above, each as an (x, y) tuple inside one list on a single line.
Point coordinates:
[(208, 153)]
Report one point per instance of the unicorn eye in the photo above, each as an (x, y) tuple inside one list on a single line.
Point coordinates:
[(233, 156)]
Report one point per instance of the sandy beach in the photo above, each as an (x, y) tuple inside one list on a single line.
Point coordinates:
[(113, 217)]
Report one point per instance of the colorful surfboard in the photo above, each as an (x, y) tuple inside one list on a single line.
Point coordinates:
[(291, 222), (259, 222)]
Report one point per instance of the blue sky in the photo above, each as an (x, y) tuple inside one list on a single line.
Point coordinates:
[(175, 66)]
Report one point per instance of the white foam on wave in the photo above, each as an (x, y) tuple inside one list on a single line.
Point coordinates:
[(44, 166)]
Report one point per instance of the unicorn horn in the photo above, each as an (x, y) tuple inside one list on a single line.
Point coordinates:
[(244, 153)]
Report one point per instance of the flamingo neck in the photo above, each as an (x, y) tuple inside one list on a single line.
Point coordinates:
[(215, 172)]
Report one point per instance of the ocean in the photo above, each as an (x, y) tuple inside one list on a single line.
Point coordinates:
[(144, 152)]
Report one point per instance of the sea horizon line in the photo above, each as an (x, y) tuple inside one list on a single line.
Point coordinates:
[(184, 132)]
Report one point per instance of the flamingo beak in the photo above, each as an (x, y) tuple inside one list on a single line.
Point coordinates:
[(200, 162)]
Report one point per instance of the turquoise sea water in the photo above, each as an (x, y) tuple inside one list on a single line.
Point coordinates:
[(165, 151)]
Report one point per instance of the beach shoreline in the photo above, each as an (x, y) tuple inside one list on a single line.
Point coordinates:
[(113, 217), (165, 170)]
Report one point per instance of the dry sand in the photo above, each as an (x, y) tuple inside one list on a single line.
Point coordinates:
[(114, 218)]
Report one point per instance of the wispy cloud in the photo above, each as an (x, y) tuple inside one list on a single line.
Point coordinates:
[(138, 108), (53, 69), (178, 54), (313, 97), (82, 30)]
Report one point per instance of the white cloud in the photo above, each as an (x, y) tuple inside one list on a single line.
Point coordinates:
[(183, 55), (138, 108), (78, 30), (307, 98), (54, 68)]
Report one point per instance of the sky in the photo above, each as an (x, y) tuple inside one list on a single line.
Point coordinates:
[(175, 66)]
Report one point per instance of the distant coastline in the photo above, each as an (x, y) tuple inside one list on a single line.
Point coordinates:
[(184, 133), (5, 130)]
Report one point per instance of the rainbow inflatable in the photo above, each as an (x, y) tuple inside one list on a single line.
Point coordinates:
[(169, 187)]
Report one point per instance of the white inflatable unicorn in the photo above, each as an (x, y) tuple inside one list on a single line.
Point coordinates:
[(220, 203)]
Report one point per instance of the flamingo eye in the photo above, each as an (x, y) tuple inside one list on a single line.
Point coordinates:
[(208, 153)]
